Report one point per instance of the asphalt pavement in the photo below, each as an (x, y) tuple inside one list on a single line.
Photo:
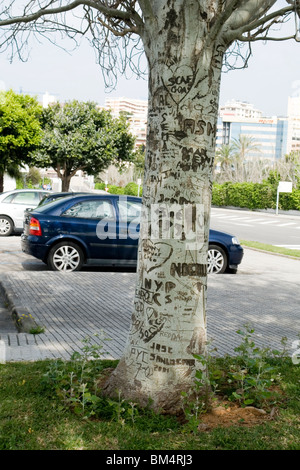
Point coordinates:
[(260, 226), (71, 307)]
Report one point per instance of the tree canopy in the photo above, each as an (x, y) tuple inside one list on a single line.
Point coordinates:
[(79, 136), (20, 131)]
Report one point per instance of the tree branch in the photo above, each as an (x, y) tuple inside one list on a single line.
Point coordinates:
[(267, 38), (237, 26), (115, 32), (107, 11), (229, 7), (146, 8), (272, 18), (73, 172)]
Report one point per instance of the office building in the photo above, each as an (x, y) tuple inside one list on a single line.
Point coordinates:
[(270, 134)]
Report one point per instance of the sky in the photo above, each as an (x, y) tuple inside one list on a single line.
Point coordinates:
[(272, 76)]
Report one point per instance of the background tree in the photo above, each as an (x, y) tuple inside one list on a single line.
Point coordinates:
[(290, 167), (186, 43), (33, 178), (139, 162), (242, 148), (80, 136), (224, 157), (14, 170), (20, 131), (257, 170)]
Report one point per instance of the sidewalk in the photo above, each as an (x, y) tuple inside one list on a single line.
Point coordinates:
[(264, 293)]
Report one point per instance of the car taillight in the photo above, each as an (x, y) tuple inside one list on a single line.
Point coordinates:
[(35, 227)]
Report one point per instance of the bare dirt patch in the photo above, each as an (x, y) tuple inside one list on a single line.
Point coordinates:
[(232, 415)]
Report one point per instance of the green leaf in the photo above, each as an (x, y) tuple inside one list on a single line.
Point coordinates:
[(248, 402)]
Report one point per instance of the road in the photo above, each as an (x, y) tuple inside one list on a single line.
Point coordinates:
[(12, 258), (279, 230)]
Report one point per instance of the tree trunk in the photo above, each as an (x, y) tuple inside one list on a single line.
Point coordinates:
[(65, 183), (1, 182), (169, 320)]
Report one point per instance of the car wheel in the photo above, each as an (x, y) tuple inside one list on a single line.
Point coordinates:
[(65, 257), (6, 226), (231, 270), (216, 260)]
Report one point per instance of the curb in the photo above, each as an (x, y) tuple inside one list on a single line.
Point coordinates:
[(264, 211), (270, 252), (23, 319)]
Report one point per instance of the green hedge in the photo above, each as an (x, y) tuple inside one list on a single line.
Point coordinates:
[(99, 185), (254, 196), (244, 195), (131, 189)]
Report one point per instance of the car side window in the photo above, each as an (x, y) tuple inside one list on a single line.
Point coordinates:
[(26, 198), (91, 210), (129, 210)]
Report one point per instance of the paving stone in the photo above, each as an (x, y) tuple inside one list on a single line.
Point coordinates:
[(77, 305)]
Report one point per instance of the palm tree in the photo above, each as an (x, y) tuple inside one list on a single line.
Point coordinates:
[(224, 157), (242, 147)]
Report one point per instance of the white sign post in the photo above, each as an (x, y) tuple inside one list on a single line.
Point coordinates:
[(283, 187)]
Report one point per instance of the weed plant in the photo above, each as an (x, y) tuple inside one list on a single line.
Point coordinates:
[(78, 382), (58, 405), (248, 378)]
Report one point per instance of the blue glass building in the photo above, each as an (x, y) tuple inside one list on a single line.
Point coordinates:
[(269, 134)]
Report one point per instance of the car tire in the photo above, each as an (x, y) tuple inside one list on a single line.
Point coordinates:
[(65, 257), (6, 226), (216, 260), (231, 270)]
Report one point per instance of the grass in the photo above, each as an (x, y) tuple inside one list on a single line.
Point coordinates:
[(271, 248), (33, 417)]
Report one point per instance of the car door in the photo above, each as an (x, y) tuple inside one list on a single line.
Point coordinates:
[(93, 221), (21, 201), (129, 213)]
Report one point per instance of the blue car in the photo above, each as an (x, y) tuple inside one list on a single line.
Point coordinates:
[(103, 230)]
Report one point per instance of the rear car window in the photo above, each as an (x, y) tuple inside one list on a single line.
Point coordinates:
[(8, 199), (45, 207)]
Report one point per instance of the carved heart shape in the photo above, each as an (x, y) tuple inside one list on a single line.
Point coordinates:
[(178, 82), (156, 253)]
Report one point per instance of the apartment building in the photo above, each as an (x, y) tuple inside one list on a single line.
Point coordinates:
[(240, 109), (137, 114), (293, 137)]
